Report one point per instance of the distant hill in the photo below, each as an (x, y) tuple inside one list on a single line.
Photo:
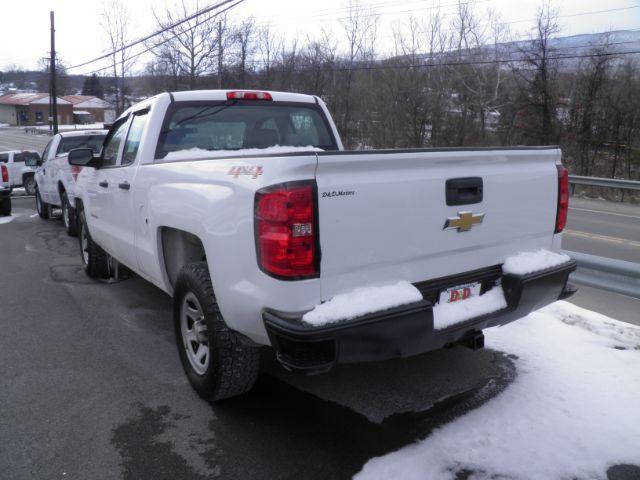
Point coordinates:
[(575, 45)]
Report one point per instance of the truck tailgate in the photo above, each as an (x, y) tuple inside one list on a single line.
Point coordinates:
[(382, 214)]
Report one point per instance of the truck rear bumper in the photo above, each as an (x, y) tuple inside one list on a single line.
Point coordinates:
[(404, 331)]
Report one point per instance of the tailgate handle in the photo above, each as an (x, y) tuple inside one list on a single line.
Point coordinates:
[(464, 191)]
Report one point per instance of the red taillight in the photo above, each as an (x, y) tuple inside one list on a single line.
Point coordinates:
[(563, 198), (242, 95), (5, 173), (286, 230)]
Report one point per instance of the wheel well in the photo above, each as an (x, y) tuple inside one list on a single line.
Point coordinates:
[(178, 249), (27, 175)]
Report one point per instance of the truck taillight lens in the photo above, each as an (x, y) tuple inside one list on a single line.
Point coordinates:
[(5, 173), (563, 198), (244, 95), (286, 230)]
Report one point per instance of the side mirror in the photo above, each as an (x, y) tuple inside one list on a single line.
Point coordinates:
[(83, 157)]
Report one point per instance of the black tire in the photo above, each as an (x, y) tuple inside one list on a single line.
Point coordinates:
[(69, 216), (233, 364), (44, 210), (94, 259), (29, 184), (5, 207)]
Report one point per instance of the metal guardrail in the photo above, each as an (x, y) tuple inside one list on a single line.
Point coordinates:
[(609, 274), (604, 182)]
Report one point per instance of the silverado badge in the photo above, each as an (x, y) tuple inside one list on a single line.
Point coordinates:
[(464, 221)]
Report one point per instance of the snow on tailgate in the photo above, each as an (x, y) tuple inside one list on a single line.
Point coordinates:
[(571, 412), (529, 262), (362, 301)]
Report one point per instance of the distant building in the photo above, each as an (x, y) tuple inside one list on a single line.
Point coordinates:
[(32, 109), (88, 109)]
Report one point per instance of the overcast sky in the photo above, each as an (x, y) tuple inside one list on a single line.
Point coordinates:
[(24, 24)]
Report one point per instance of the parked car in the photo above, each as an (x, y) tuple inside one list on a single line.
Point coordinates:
[(244, 207), (5, 191), (55, 178), (21, 167)]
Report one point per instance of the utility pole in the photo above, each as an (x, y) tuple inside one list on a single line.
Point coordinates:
[(220, 54), (53, 94)]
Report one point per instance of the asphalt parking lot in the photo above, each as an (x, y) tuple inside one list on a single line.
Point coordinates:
[(92, 386)]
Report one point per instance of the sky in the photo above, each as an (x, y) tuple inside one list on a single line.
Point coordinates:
[(24, 32)]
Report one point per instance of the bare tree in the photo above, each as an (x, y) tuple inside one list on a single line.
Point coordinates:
[(360, 30), (540, 88), (268, 46), (187, 49), (115, 22), (245, 41)]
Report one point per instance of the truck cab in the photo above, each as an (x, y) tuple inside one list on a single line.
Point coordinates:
[(55, 178)]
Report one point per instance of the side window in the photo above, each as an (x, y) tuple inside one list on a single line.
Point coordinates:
[(133, 138), (18, 157), (4, 157), (113, 142), (46, 151)]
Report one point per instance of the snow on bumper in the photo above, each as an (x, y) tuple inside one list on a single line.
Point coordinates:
[(411, 329)]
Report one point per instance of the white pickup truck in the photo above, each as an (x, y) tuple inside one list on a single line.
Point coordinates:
[(55, 178), (245, 208), (22, 166)]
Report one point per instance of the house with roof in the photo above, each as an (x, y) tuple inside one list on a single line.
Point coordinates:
[(89, 109), (32, 109)]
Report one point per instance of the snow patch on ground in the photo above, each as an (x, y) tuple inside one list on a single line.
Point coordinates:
[(8, 218), (199, 153), (361, 301), (447, 314), (571, 412), (529, 262)]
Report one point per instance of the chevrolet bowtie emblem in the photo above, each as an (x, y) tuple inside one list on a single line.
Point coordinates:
[(464, 221)]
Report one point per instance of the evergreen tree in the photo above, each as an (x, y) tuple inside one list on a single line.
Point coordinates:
[(92, 86)]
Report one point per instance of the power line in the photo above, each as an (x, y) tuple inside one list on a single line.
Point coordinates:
[(200, 12), (171, 37)]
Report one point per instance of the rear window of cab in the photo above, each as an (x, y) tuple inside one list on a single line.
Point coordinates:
[(238, 125)]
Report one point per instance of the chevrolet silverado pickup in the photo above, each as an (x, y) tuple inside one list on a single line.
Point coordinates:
[(55, 178), (244, 206)]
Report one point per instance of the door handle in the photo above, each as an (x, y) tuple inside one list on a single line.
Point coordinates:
[(124, 185), (464, 191), (104, 184)]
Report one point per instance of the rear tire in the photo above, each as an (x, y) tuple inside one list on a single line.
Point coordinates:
[(29, 185), (227, 366), (69, 216), (44, 210), (94, 259), (5, 207)]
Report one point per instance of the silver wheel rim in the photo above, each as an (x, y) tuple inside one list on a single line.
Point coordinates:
[(194, 333), (84, 245)]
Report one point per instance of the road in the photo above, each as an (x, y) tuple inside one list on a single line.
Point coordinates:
[(603, 228), (17, 139)]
